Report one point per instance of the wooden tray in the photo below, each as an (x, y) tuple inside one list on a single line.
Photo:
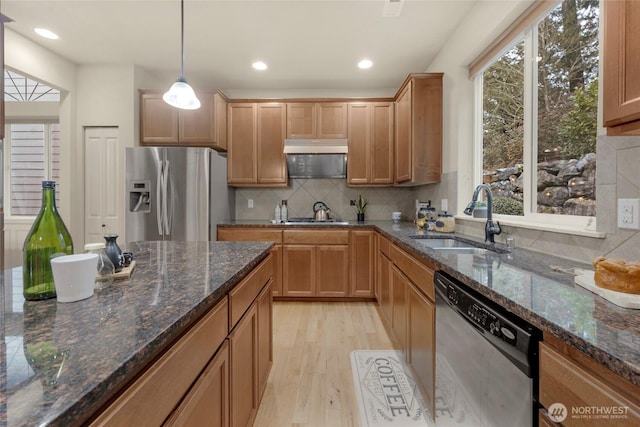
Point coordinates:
[(585, 279), (125, 273)]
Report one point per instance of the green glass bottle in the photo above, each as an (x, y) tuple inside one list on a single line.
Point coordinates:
[(48, 238)]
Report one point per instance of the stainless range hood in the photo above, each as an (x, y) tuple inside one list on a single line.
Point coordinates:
[(316, 158)]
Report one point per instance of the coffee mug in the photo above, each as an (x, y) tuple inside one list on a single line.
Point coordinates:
[(74, 276), (395, 216)]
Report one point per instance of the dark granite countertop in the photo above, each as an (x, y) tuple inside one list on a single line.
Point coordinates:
[(525, 284), (62, 361)]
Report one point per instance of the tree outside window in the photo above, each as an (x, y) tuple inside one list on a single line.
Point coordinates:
[(563, 112)]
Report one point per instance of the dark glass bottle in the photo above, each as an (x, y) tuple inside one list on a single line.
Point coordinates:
[(47, 239)]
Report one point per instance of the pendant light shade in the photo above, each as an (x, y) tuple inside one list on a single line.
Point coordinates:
[(180, 94)]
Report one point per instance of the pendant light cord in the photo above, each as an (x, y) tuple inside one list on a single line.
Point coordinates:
[(182, 39)]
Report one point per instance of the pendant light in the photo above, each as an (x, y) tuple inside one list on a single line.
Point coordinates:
[(180, 94)]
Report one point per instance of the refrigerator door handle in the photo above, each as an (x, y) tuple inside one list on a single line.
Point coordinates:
[(168, 202), (159, 213)]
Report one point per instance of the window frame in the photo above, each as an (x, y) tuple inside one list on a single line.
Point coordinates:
[(574, 224)]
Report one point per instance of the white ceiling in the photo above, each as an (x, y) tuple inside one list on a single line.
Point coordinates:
[(309, 45)]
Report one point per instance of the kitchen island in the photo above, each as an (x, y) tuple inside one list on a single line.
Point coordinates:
[(65, 362)]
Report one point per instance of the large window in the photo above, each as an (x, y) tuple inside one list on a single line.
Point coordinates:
[(33, 155), (539, 118)]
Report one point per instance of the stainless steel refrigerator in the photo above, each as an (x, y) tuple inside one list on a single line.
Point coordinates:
[(176, 193)]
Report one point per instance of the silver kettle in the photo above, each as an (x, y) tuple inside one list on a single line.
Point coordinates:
[(320, 211)]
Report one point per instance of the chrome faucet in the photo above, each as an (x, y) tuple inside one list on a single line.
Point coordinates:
[(490, 229)]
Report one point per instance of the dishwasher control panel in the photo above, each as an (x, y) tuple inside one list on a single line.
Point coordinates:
[(481, 315)]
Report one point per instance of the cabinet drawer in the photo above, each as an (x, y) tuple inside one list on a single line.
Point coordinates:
[(158, 391), (564, 381), (250, 235), (420, 275), (316, 237), (241, 297), (384, 245)]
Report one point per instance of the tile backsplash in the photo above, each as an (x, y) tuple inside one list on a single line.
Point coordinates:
[(301, 194)]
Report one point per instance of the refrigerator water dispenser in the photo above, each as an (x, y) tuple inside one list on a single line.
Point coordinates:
[(139, 196)]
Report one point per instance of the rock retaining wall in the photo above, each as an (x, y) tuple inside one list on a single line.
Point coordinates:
[(566, 187)]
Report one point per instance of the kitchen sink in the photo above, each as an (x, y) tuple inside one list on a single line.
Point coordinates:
[(454, 246)]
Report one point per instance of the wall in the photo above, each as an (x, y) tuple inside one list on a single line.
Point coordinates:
[(303, 193)]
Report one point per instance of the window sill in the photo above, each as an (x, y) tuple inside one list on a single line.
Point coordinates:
[(556, 228)]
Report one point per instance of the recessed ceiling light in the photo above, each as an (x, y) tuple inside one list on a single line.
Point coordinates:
[(47, 34), (365, 64), (259, 65)]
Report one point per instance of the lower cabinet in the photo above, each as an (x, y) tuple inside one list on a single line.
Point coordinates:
[(589, 392), (315, 263), (362, 258), (208, 401), (421, 343), (215, 374), (406, 298), (243, 355), (399, 289)]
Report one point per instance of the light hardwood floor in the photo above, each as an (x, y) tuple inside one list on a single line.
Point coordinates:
[(311, 383)]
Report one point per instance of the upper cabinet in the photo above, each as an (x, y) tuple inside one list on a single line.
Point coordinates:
[(621, 91), (370, 144), (255, 154), (418, 145), (321, 120), (162, 124)]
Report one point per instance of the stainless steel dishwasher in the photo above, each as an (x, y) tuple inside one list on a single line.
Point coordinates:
[(486, 361)]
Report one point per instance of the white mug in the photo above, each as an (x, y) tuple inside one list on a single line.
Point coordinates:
[(74, 276)]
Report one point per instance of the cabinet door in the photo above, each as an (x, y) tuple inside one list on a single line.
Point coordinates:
[(362, 263), (621, 67), (421, 345), (197, 127), (301, 120), (299, 271), (384, 283), (242, 149), (272, 164), (208, 400), (220, 122), (264, 304), (332, 120), (403, 136), (158, 120), (243, 346), (399, 285), (359, 164), (381, 143), (332, 270)]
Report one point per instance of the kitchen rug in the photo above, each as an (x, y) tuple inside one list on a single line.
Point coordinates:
[(386, 392)]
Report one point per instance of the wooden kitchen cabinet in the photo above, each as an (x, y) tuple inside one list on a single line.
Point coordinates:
[(371, 143), (399, 300), (256, 145), (162, 124), (421, 344), (321, 120), (362, 260), (243, 356), (418, 130), (208, 401), (580, 383), (384, 293), (621, 67), (264, 306), (259, 234), (315, 263), (158, 390)]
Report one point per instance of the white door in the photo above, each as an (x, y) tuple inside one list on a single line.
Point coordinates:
[(103, 173)]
